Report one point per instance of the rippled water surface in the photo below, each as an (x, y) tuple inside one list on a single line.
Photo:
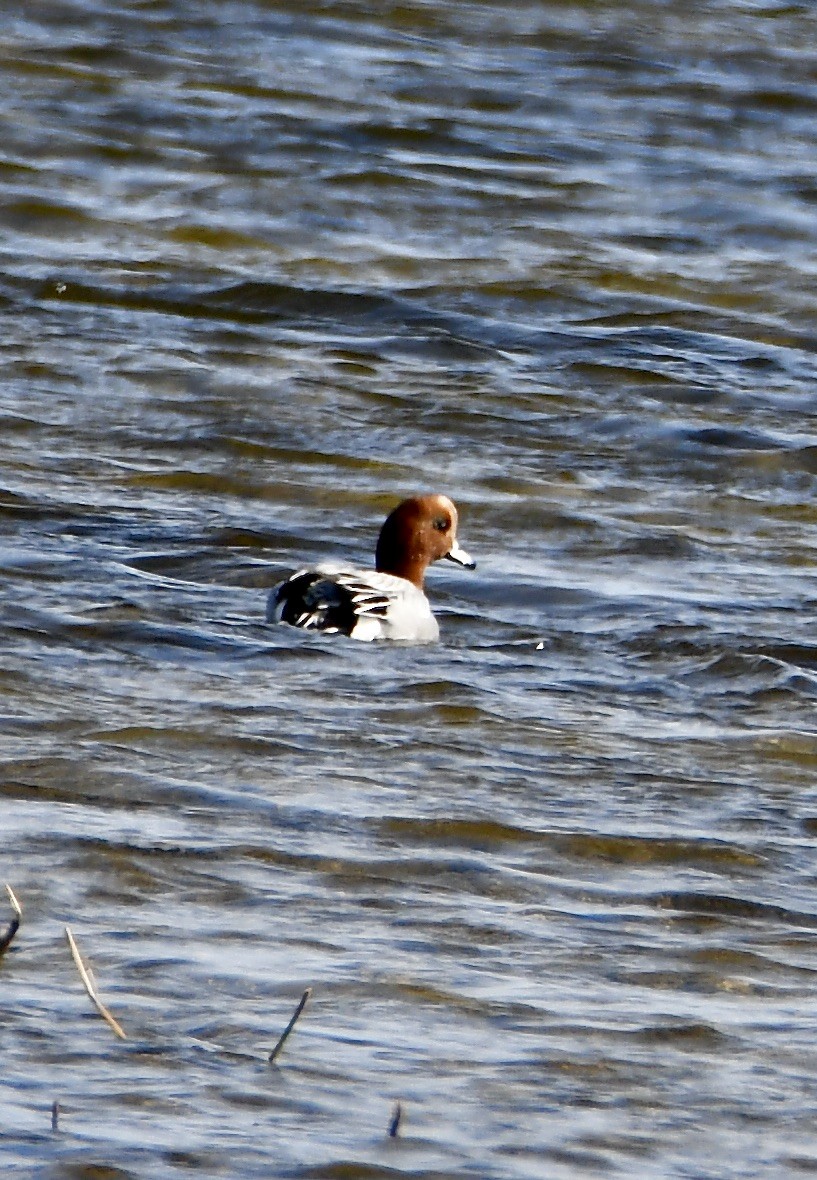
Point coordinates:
[(265, 269)]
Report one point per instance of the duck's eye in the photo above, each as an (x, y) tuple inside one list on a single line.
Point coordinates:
[(442, 524)]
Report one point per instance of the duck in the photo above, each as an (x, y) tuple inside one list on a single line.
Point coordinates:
[(388, 602)]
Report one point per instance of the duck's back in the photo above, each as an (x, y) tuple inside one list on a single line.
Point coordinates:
[(363, 604)]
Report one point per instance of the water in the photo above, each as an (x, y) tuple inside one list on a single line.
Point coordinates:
[(264, 270)]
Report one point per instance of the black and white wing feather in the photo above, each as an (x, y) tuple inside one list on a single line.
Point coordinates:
[(335, 602)]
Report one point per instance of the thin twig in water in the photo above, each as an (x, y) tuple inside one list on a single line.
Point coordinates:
[(55, 1115), (90, 987), (11, 929), (282, 1039), (396, 1116)]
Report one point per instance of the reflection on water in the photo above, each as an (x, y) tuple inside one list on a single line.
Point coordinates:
[(265, 271)]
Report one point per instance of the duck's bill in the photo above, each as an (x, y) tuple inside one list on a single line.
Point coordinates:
[(458, 554)]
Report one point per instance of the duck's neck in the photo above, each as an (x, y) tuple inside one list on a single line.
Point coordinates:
[(412, 570), (394, 558)]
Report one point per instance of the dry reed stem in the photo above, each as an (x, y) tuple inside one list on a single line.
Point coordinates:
[(90, 987), (282, 1039), (7, 936)]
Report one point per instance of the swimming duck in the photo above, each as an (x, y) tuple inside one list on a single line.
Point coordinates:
[(389, 601)]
